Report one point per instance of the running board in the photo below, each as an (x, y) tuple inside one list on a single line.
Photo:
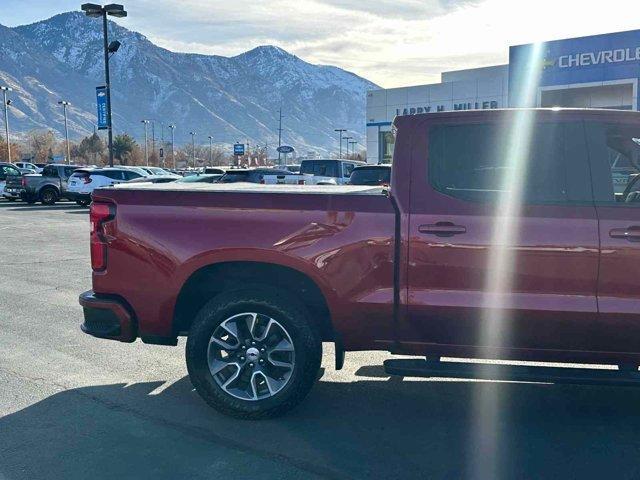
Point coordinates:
[(511, 373)]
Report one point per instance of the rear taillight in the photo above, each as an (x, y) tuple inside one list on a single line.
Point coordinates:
[(99, 214), (24, 182)]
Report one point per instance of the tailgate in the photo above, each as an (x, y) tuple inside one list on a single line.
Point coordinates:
[(14, 181)]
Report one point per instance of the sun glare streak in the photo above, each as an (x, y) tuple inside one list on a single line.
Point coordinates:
[(488, 446)]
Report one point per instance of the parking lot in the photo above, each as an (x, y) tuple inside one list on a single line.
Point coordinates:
[(72, 406)]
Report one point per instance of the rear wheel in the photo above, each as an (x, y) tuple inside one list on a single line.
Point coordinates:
[(48, 196), (253, 353)]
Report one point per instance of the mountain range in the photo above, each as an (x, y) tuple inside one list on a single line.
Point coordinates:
[(230, 98)]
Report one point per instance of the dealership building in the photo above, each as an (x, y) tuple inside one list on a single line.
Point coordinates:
[(599, 71)]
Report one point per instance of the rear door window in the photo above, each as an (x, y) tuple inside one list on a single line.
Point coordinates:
[(322, 168), (476, 162)]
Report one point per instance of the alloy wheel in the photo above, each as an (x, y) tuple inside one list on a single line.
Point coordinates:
[(251, 356)]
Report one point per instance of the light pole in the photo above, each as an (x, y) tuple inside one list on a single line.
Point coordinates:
[(340, 130), (193, 148), (173, 155), (153, 137), (146, 142), (353, 147), (279, 134), (115, 10), (64, 104), (210, 150), (5, 90), (346, 139)]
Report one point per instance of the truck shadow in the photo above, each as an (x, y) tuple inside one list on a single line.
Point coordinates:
[(371, 428)]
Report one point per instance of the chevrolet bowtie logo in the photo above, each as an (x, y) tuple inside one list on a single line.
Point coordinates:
[(547, 63)]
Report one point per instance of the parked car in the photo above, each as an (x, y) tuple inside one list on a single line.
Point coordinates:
[(200, 178), (86, 180), (156, 179), (371, 175), (49, 186), (266, 176), (329, 172), (258, 278), (156, 171), (29, 166), (8, 173), (215, 170)]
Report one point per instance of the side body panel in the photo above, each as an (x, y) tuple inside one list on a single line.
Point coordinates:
[(344, 243)]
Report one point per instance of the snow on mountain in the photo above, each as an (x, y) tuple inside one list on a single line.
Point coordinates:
[(231, 98)]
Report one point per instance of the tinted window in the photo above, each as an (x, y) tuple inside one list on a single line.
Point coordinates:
[(50, 171), (9, 170), (614, 150), (323, 168), (112, 174), (472, 162), (347, 168), (68, 171), (130, 175), (233, 177), (370, 176)]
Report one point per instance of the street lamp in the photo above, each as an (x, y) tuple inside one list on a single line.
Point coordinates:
[(346, 139), (340, 130), (5, 90), (210, 150), (193, 148), (146, 148), (64, 104), (353, 147), (173, 155), (115, 10)]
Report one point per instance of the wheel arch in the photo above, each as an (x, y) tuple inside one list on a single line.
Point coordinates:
[(217, 277)]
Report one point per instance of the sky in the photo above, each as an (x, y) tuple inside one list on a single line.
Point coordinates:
[(390, 42)]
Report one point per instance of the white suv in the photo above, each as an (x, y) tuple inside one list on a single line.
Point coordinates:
[(85, 180)]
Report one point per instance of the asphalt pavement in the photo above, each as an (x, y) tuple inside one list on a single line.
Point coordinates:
[(75, 407)]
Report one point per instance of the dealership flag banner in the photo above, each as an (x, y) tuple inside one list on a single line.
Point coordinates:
[(101, 100)]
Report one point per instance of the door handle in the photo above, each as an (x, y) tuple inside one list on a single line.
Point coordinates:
[(442, 229), (631, 233)]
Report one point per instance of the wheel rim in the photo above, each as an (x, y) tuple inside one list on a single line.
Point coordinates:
[(47, 196), (251, 356)]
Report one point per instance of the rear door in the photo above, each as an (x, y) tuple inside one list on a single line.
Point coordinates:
[(614, 150), (488, 268)]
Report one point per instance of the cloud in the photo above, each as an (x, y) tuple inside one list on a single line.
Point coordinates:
[(391, 42)]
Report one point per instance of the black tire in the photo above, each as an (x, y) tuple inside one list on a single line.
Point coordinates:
[(83, 203), (287, 311), (48, 196)]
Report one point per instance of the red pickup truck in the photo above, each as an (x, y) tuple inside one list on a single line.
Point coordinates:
[(501, 236)]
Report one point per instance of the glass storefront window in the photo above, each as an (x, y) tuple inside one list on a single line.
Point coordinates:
[(387, 142)]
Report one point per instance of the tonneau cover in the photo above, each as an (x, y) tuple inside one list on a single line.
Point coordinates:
[(254, 188)]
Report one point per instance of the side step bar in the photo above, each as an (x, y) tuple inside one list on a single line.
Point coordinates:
[(513, 373)]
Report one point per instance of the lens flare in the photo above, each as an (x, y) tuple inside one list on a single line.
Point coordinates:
[(488, 446)]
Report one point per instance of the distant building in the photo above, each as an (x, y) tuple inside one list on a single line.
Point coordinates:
[(599, 71)]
